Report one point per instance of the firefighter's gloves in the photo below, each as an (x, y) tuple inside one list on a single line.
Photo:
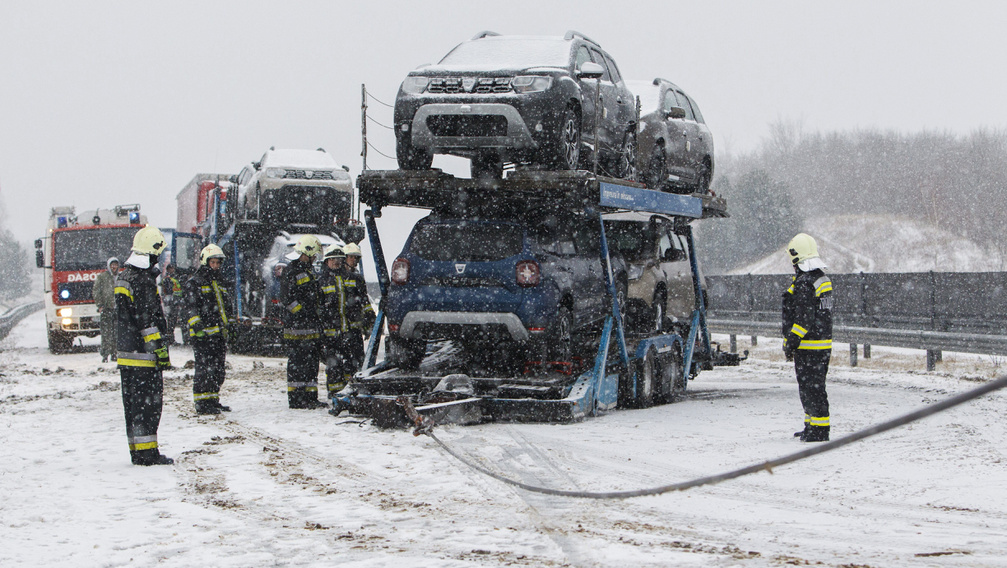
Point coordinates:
[(162, 358), (790, 346)]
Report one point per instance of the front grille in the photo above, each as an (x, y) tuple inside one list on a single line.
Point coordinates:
[(307, 174), (467, 125), (453, 85), (75, 292)]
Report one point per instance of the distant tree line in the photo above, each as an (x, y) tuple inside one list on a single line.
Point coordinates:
[(953, 182), (14, 279)]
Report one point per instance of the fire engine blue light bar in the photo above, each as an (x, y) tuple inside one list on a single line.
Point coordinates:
[(638, 199)]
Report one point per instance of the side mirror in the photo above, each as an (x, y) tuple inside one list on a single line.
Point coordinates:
[(38, 243), (676, 112), (39, 258), (590, 70)]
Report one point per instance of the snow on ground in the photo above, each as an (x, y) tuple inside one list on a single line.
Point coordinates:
[(264, 485), (883, 243)]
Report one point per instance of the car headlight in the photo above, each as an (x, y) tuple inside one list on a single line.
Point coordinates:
[(64, 312), (634, 271), (275, 172), (415, 85), (531, 84)]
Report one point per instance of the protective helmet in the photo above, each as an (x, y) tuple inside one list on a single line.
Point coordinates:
[(208, 252), (309, 245), (804, 252), (148, 240), (352, 249), (333, 251)]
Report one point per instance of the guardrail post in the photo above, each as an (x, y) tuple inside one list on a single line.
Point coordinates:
[(853, 354), (755, 340), (867, 351), (734, 343), (933, 355)]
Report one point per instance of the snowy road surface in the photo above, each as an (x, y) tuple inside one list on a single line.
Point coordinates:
[(264, 485)]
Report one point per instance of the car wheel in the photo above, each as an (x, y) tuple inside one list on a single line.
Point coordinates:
[(625, 163), (656, 175), (411, 157), (560, 341), (59, 342), (405, 353), (703, 180), (487, 166), (567, 151), (673, 381), (647, 374), (657, 313)]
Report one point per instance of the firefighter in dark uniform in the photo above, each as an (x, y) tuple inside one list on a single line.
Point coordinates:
[(331, 311), (209, 306), (356, 311), (142, 346), (807, 332), (301, 296)]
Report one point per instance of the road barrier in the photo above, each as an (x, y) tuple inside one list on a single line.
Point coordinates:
[(11, 318), (931, 311)]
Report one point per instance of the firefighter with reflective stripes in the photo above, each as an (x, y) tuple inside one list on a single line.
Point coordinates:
[(331, 311), (142, 346), (209, 308), (807, 332), (300, 296), (357, 311)]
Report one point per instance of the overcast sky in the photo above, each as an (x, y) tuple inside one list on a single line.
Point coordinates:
[(105, 103)]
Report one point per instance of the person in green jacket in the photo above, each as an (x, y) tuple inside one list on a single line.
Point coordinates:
[(103, 293)]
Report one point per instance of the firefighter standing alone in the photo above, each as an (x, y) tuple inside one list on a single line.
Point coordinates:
[(207, 302), (142, 347), (300, 296), (807, 332)]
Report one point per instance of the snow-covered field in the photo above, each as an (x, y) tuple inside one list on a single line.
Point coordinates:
[(264, 485)]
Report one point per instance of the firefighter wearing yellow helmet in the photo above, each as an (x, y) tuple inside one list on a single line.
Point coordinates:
[(346, 315), (300, 295), (807, 333), (142, 347), (208, 304)]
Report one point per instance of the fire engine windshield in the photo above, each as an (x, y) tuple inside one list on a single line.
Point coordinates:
[(90, 249)]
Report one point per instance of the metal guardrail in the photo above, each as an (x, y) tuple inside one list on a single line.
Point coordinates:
[(935, 312), (12, 317)]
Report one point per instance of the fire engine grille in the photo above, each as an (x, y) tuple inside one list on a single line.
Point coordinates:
[(69, 292)]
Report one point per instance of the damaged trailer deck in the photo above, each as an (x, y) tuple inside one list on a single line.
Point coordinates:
[(452, 386)]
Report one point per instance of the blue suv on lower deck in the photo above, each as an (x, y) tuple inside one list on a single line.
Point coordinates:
[(533, 286)]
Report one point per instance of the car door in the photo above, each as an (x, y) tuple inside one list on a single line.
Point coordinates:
[(693, 138), (677, 272), (587, 90), (677, 136), (611, 106), (590, 286)]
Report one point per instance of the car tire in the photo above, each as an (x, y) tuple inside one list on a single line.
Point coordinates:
[(625, 161), (648, 375), (59, 342), (487, 166), (411, 157), (673, 381), (559, 346), (405, 353), (566, 150), (656, 176)]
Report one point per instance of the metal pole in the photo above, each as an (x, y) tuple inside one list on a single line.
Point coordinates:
[(597, 121), (363, 124)]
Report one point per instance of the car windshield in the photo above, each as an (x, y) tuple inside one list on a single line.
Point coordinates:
[(519, 52), (628, 239), (90, 249), (471, 241)]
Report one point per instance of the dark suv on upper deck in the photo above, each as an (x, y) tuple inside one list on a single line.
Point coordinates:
[(518, 99), (531, 287)]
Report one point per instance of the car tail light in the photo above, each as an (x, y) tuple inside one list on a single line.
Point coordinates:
[(528, 273), (400, 271)]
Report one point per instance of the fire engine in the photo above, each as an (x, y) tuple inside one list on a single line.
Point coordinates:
[(73, 252)]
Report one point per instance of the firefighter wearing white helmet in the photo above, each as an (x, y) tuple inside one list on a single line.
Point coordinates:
[(301, 298), (208, 304), (331, 311), (354, 320), (141, 344), (807, 333)]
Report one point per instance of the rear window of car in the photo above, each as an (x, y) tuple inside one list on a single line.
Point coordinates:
[(511, 52), (475, 241)]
